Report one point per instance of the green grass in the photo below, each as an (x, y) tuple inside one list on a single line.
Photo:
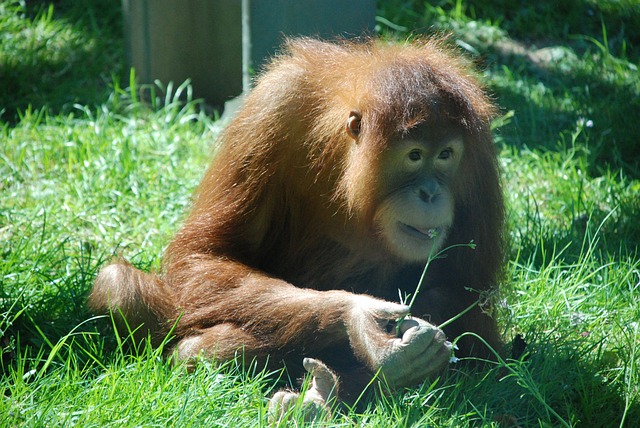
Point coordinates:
[(57, 56), (88, 171)]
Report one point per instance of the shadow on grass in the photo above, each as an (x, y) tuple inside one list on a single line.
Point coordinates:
[(570, 81), (59, 53), (44, 296), (552, 20), (558, 102), (560, 381), (609, 235)]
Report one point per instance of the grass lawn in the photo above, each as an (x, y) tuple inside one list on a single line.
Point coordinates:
[(87, 171)]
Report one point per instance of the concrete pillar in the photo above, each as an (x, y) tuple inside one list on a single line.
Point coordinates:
[(220, 44)]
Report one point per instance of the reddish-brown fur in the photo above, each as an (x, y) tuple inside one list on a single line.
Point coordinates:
[(283, 216)]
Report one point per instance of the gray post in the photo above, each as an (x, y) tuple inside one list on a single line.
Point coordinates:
[(221, 44)]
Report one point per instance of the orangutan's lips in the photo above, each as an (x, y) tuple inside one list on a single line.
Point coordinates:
[(430, 232)]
